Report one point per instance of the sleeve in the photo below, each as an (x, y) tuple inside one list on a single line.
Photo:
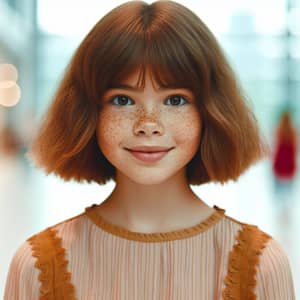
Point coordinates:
[(22, 280), (274, 276)]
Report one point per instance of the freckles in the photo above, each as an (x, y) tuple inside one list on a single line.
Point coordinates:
[(141, 113), (188, 127), (109, 127), (141, 116)]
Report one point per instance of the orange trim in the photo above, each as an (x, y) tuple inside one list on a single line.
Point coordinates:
[(114, 229), (54, 277), (243, 260)]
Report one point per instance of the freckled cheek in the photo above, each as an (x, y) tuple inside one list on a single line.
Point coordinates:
[(111, 129), (114, 127), (187, 130)]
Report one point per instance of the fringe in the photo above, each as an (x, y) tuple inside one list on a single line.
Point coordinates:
[(54, 277), (240, 281)]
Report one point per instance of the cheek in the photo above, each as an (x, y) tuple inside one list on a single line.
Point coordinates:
[(185, 128), (188, 129), (109, 130), (113, 128)]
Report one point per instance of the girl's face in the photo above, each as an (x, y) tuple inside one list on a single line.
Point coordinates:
[(132, 117)]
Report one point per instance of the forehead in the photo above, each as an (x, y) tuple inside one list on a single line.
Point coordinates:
[(141, 76)]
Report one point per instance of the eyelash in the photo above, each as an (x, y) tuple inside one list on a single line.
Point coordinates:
[(116, 97)]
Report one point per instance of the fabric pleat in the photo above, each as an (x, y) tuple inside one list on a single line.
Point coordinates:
[(88, 258)]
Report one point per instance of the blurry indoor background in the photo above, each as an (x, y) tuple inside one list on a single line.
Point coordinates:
[(261, 38)]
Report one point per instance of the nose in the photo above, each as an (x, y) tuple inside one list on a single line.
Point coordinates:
[(148, 126)]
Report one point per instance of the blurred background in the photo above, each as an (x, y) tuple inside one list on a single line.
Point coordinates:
[(261, 39)]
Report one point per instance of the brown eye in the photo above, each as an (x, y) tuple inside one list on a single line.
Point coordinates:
[(176, 100)]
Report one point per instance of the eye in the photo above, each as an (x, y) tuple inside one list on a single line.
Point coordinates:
[(120, 100), (176, 100)]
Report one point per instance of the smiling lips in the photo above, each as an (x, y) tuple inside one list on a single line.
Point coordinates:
[(149, 153)]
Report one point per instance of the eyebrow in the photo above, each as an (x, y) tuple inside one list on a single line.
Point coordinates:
[(124, 86)]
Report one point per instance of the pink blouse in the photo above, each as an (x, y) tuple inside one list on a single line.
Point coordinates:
[(88, 258)]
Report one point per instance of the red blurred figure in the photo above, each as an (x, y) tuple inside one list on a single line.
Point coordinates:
[(285, 155)]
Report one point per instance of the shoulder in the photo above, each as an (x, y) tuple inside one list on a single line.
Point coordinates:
[(61, 229), (259, 256), (58, 238), (22, 261), (22, 279), (249, 241), (273, 258), (40, 257), (274, 275), (237, 233)]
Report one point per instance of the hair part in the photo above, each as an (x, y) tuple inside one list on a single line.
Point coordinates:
[(179, 50)]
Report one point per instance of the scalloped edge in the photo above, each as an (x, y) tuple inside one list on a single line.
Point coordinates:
[(54, 277), (243, 260)]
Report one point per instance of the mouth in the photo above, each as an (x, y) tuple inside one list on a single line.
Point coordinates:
[(149, 156), (149, 149)]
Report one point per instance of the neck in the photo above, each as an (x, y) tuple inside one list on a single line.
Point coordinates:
[(151, 208)]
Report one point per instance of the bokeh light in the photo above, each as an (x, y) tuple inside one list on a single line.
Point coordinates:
[(8, 72), (10, 93)]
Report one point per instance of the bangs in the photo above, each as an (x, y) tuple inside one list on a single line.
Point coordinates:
[(163, 52), (143, 38), (168, 62)]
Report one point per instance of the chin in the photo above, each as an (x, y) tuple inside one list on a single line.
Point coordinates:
[(149, 178), (148, 181)]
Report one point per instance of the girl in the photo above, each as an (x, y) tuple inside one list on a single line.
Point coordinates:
[(150, 102)]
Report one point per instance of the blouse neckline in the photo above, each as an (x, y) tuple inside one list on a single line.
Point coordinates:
[(179, 234)]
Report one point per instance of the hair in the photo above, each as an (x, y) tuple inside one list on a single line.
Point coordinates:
[(179, 50)]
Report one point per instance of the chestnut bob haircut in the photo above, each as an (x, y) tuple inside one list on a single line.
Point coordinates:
[(179, 50)]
